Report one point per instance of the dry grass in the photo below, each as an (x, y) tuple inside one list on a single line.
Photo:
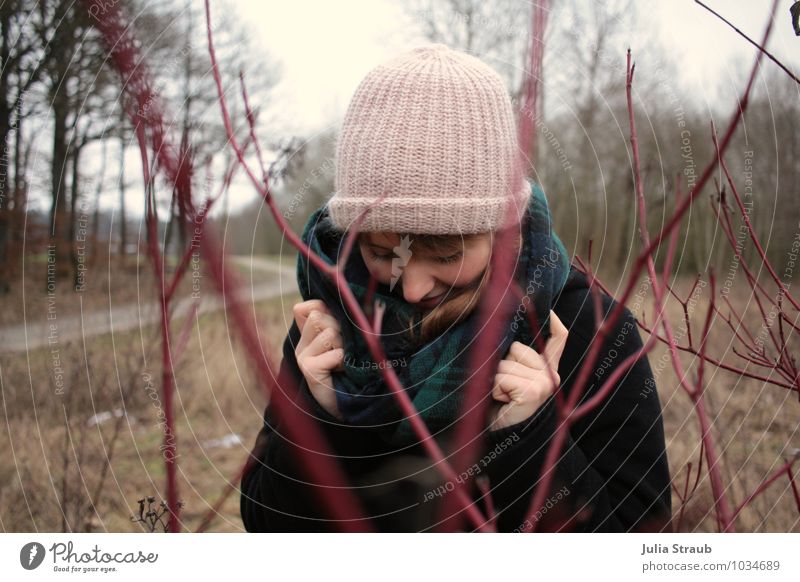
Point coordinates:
[(754, 424), (106, 283), (109, 283), (60, 473)]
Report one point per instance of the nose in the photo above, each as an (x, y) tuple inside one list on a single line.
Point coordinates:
[(418, 283)]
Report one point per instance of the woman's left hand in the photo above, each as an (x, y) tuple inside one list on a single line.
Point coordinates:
[(525, 378)]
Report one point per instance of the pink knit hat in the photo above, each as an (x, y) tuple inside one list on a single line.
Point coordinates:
[(433, 128)]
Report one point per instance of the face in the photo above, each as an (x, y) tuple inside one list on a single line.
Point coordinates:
[(426, 277)]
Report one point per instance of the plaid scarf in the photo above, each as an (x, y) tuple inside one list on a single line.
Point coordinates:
[(433, 374)]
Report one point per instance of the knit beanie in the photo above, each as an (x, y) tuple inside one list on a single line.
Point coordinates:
[(434, 130)]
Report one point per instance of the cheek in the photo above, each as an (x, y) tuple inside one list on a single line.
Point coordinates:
[(471, 268), (464, 274)]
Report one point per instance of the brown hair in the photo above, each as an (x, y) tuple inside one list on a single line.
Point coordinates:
[(460, 302)]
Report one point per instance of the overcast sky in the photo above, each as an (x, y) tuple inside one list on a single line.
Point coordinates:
[(327, 47)]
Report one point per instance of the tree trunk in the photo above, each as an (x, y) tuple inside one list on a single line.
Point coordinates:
[(95, 236), (57, 264), (5, 123), (123, 238), (74, 218), (6, 218)]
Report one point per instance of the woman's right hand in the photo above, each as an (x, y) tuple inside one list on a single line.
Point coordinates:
[(319, 351)]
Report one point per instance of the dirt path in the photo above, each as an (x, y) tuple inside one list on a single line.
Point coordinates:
[(38, 331)]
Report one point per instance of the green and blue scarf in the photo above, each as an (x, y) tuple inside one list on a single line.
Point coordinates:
[(434, 374)]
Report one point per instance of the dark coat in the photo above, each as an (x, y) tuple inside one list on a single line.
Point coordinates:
[(612, 474)]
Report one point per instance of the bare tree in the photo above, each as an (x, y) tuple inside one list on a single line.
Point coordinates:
[(494, 31), (21, 57)]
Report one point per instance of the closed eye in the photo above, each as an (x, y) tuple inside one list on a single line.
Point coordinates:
[(379, 257), (450, 259), (388, 257)]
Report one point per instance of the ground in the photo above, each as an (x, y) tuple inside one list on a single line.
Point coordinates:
[(83, 439)]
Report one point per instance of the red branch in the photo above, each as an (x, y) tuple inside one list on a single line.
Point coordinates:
[(177, 167), (335, 273)]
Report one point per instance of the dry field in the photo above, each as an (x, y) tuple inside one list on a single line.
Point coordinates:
[(79, 455)]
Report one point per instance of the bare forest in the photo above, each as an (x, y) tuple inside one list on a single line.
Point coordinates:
[(152, 198)]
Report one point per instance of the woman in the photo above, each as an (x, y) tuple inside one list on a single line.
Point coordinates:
[(426, 156)]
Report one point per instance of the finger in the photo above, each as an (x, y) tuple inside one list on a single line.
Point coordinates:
[(301, 310), (556, 343), (521, 390), (514, 368), (508, 388), (499, 394), (320, 321), (557, 326), (326, 340), (307, 334), (526, 355), (325, 362), (315, 324), (310, 331)]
